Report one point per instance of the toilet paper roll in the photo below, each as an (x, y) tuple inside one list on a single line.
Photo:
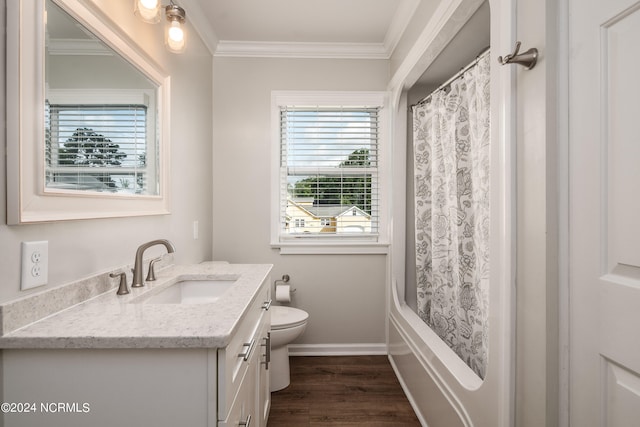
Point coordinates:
[(283, 293)]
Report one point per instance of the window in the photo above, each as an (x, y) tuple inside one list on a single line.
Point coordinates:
[(96, 147), (328, 163), (102, 141)]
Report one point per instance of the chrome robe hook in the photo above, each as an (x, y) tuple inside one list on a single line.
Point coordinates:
[(527, 59)]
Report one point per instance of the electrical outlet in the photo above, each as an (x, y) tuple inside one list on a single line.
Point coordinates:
[(35, 264), (196, 231)]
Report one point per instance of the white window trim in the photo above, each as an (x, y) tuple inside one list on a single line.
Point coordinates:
[(333, 244)]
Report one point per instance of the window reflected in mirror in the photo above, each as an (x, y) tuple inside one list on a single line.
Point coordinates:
[(101, 126)]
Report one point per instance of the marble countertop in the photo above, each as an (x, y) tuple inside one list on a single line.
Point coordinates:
[(112, 321)]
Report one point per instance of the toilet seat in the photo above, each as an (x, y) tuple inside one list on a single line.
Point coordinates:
[(287, 317)]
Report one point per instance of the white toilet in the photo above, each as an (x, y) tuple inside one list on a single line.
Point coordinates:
[(287, 324)]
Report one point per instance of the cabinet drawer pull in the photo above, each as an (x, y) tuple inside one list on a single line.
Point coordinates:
[(246, 422), (267, 351), (246, 354), (267, 305)]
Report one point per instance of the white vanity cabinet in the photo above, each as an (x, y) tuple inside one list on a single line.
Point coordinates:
[(163, 386)]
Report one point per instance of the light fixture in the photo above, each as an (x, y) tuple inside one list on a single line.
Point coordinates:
[(175, 36), (148, 10)]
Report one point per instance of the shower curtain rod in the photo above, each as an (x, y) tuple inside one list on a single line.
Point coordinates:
[(457, 75)]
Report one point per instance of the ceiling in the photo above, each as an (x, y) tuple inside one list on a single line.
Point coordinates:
[(327, 28), (311, 28)]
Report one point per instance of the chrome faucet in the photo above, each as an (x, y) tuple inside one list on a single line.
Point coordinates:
[(137, 267)]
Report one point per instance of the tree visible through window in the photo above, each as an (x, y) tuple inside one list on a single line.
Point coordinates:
[(339, 190), (88, 148), (97, 148)]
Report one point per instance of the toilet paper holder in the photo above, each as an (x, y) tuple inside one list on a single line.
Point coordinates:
[(285, 279)]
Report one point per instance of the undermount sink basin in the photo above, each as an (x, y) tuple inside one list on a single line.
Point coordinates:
[(194, 291)]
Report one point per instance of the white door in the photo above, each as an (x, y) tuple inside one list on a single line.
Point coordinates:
[(604, 195)]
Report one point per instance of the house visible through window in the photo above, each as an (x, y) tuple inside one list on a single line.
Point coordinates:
[(97, 148), (329, 158)]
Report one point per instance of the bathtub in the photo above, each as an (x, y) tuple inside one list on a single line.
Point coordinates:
[(442, 389)]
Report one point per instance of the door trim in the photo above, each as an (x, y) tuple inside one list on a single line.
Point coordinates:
[(564, 296)]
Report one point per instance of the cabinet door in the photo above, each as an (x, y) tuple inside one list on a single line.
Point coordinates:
[(243, 411), (233, 360)]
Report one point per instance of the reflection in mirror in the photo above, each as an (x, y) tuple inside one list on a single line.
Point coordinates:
[(88, 122), (100, 118)]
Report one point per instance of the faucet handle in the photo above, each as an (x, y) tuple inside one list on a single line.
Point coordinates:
[(151, 274), (123, 289)]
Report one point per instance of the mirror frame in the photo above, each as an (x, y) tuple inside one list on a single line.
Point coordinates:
[(27, 201)]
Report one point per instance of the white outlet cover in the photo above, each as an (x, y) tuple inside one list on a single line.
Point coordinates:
[(35, 264), (196, 231)]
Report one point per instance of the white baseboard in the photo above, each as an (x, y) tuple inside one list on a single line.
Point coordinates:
[(337, 349)]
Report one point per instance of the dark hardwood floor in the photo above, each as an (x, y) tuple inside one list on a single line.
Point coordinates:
[(341, 391)]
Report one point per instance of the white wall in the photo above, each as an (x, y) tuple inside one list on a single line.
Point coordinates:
[(344, 294), (81, 248)]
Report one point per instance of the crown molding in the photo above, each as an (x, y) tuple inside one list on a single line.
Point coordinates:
[(197, 19), (301, 50), (271, 49)]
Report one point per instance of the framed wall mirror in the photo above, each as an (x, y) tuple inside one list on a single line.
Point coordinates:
[(87, 114)]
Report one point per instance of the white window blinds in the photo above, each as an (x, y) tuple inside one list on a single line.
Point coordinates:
[(329, 171), (97, 148)]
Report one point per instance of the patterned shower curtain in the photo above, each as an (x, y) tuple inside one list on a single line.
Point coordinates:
[(451, 149)]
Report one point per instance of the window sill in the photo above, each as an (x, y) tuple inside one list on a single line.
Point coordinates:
[(331, 248)]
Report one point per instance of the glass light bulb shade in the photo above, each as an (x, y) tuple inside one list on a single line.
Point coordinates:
[(176, 34), (175, 37), (148, 10), (149, 4)]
